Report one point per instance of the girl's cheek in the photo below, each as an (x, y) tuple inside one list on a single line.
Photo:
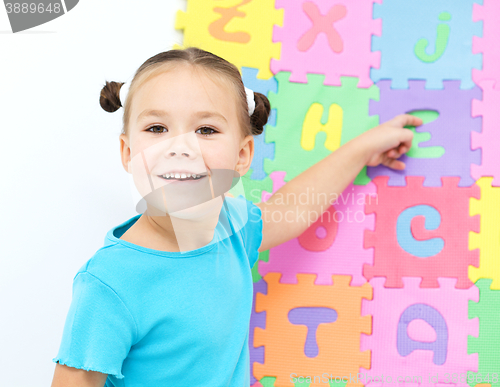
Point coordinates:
[(139, 174)]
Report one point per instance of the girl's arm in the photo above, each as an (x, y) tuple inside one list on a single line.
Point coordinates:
[(330, 177), (65, 376)]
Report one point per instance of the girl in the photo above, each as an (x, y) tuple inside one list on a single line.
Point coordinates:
[(167, 300)]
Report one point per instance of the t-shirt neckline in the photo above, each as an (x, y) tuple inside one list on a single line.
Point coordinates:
[(171, 254)]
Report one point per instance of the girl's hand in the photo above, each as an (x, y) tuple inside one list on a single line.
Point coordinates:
[(388, 141)]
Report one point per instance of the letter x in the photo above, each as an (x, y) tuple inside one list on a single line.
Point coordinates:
[(322, 23)]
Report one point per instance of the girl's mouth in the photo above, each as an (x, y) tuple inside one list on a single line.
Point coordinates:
[(181, 176)]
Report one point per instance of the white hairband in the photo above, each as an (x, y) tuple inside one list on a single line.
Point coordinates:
[(250, 100), (123, 92), (249, 92)]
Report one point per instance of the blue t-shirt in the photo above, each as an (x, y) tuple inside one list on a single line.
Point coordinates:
[(154, 318)]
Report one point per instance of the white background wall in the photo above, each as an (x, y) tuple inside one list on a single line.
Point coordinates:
[(62, 182)]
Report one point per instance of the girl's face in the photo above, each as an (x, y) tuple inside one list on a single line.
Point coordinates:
[(184, 122)]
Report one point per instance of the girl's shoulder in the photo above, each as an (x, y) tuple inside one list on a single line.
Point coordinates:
[(238, 210), (243, 213)]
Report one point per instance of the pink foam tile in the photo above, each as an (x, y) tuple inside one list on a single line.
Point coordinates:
[(326, 38), (488, 45), (489, 139), (342, 254), (389, 308)]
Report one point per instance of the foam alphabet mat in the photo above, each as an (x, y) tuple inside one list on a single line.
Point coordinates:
[(398, 283)]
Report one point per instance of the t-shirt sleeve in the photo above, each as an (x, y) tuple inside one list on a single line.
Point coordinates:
[(99, 329), (252, 229)]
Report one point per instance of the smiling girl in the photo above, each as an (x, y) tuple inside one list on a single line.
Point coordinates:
[(167, 300)]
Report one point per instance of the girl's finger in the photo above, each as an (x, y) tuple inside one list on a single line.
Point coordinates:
[(396, 152), (395, 164), (408, 143), (406, 120)]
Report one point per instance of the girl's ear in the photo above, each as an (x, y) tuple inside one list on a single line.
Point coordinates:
[(125, 151), (245, 155)]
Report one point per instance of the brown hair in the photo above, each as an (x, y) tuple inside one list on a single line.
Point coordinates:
[(110, 93)]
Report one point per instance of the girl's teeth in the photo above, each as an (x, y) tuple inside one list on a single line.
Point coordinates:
[(181, 176)]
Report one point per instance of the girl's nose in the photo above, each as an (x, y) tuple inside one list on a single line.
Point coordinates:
[(183, 145), (172, 153)]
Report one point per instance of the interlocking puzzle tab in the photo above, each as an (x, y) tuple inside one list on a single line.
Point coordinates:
[(256, 320), (239, 31), (278, 178), (489, 139), (332, 245), (486, 345), (421, 333), (326, 38), (397, 236), (488, 45), (424, 39), (285, 341), (254, 188), (487, 240), (287, 135), (262, 149), (451, 130)]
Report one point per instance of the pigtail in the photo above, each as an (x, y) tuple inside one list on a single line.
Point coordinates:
[(110, 96), (261, 114)]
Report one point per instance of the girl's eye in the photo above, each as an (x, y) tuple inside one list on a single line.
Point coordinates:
[(205, 131), (154, 131)]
